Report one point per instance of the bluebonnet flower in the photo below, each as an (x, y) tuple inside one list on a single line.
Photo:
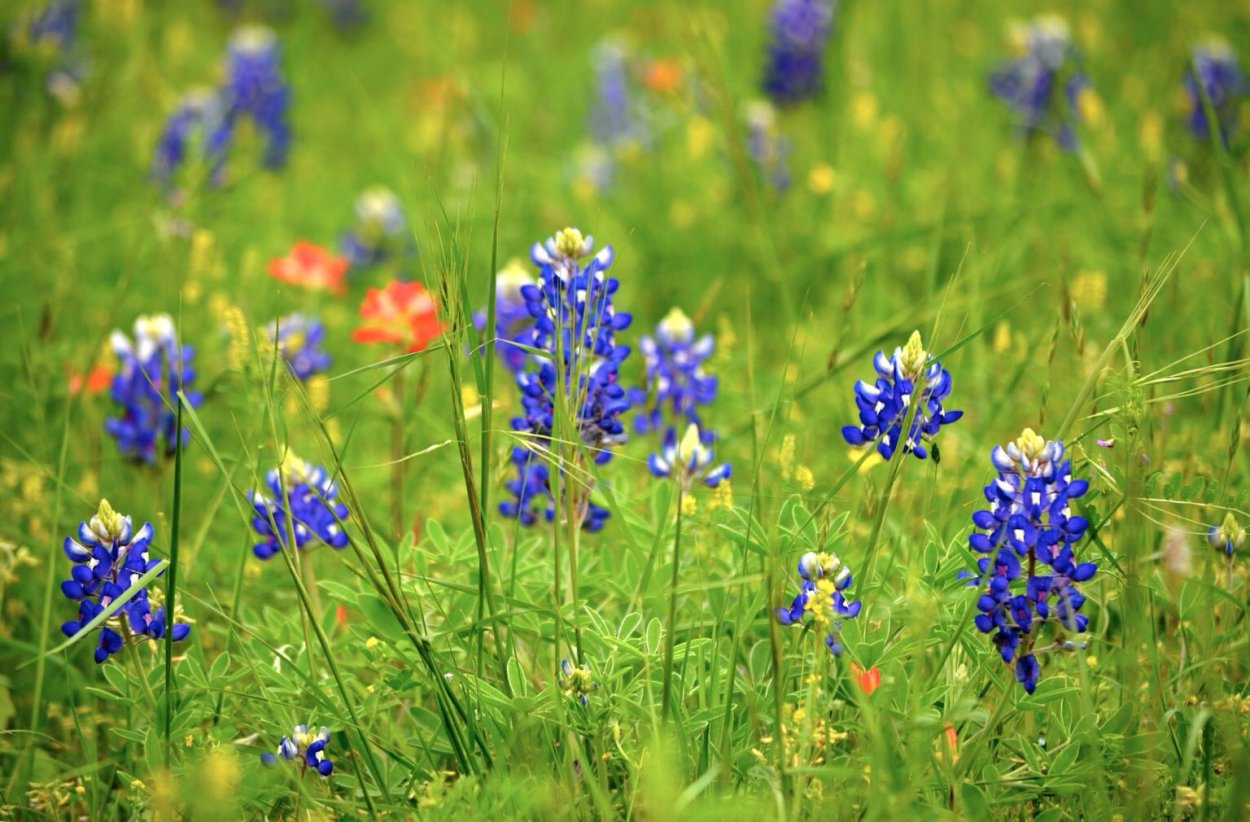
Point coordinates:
[(884, 405), (800, 31), (380, 229), (197, 127), (577, 681), (1030, 520), (514, 326), (305, 747), (255, 88), (1229, 536), (617, 121), (820, 596), (298, 340), (615, 118), (109, 556), (575, 323), (1043, 85), (675, 377), (689, 460), (311, 497), (55, 28), (152, 369), (1214, 70), (766, 145)]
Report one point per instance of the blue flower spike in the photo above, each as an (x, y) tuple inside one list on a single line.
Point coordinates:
[(299, 498), (1029, 571), (298, 338), (306, 748), (152, 369), (1215, 72), (514, 325), (885, 404), (380, 231), (800, 31), (255, 89), (1229, 536), (1044, 83), (689, 460), (677, 381), (109, 556), (575, 325), (820, 600), (577, 682)]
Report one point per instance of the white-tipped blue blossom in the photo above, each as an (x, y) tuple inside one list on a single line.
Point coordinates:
[(300, 499), (578, 365), (823, 578), (298, 338), (576, 681), (689, 460), (1215, 73), (766, 145), (1229, 536), (109, 556), (1042, 86), (254, 88), (677, 382), (197, 131), (800, 31), (1029, 519), (152, 369), (306, 748), (514, 325), (885, 404), (380, 231)]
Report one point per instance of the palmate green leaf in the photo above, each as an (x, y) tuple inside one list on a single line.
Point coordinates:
[(112, 608)]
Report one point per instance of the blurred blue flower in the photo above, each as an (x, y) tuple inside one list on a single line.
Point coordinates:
[(306, 491), (514, 326), (800, 30), (1043, 85), (1214, 70), (575, 323), (55, 28), (615, 118), (255, 88), (1029, 519), (823, 579), (380, 231), (305, 747), (298, 340), (195, 130), (689, 460), (577, 681), (884, 405), (109, 556), (152, 369), (676, 380), (1229, 536), (766, 145)]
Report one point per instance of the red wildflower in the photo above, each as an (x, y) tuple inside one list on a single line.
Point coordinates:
[(98, 379), (312, 267), (951, 740), (868, 680), (402, 313), (662, 75)]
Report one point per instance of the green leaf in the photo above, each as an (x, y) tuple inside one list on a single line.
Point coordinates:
[(654, 633)]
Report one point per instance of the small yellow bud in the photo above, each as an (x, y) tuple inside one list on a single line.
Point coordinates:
[(1031, 444), (570, 242), (913, 356)]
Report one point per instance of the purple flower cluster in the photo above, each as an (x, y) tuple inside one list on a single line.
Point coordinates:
[(795, 69), (1029, 571), (820, 596), (153, 368), (302, 500), (109, 556), (884, 405), (1042, 86), (575, 325)]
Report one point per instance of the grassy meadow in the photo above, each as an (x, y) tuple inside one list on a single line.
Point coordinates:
[(466, 663)]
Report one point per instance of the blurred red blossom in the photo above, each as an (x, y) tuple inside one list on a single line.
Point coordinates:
[(312, 267), (403, 313)]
